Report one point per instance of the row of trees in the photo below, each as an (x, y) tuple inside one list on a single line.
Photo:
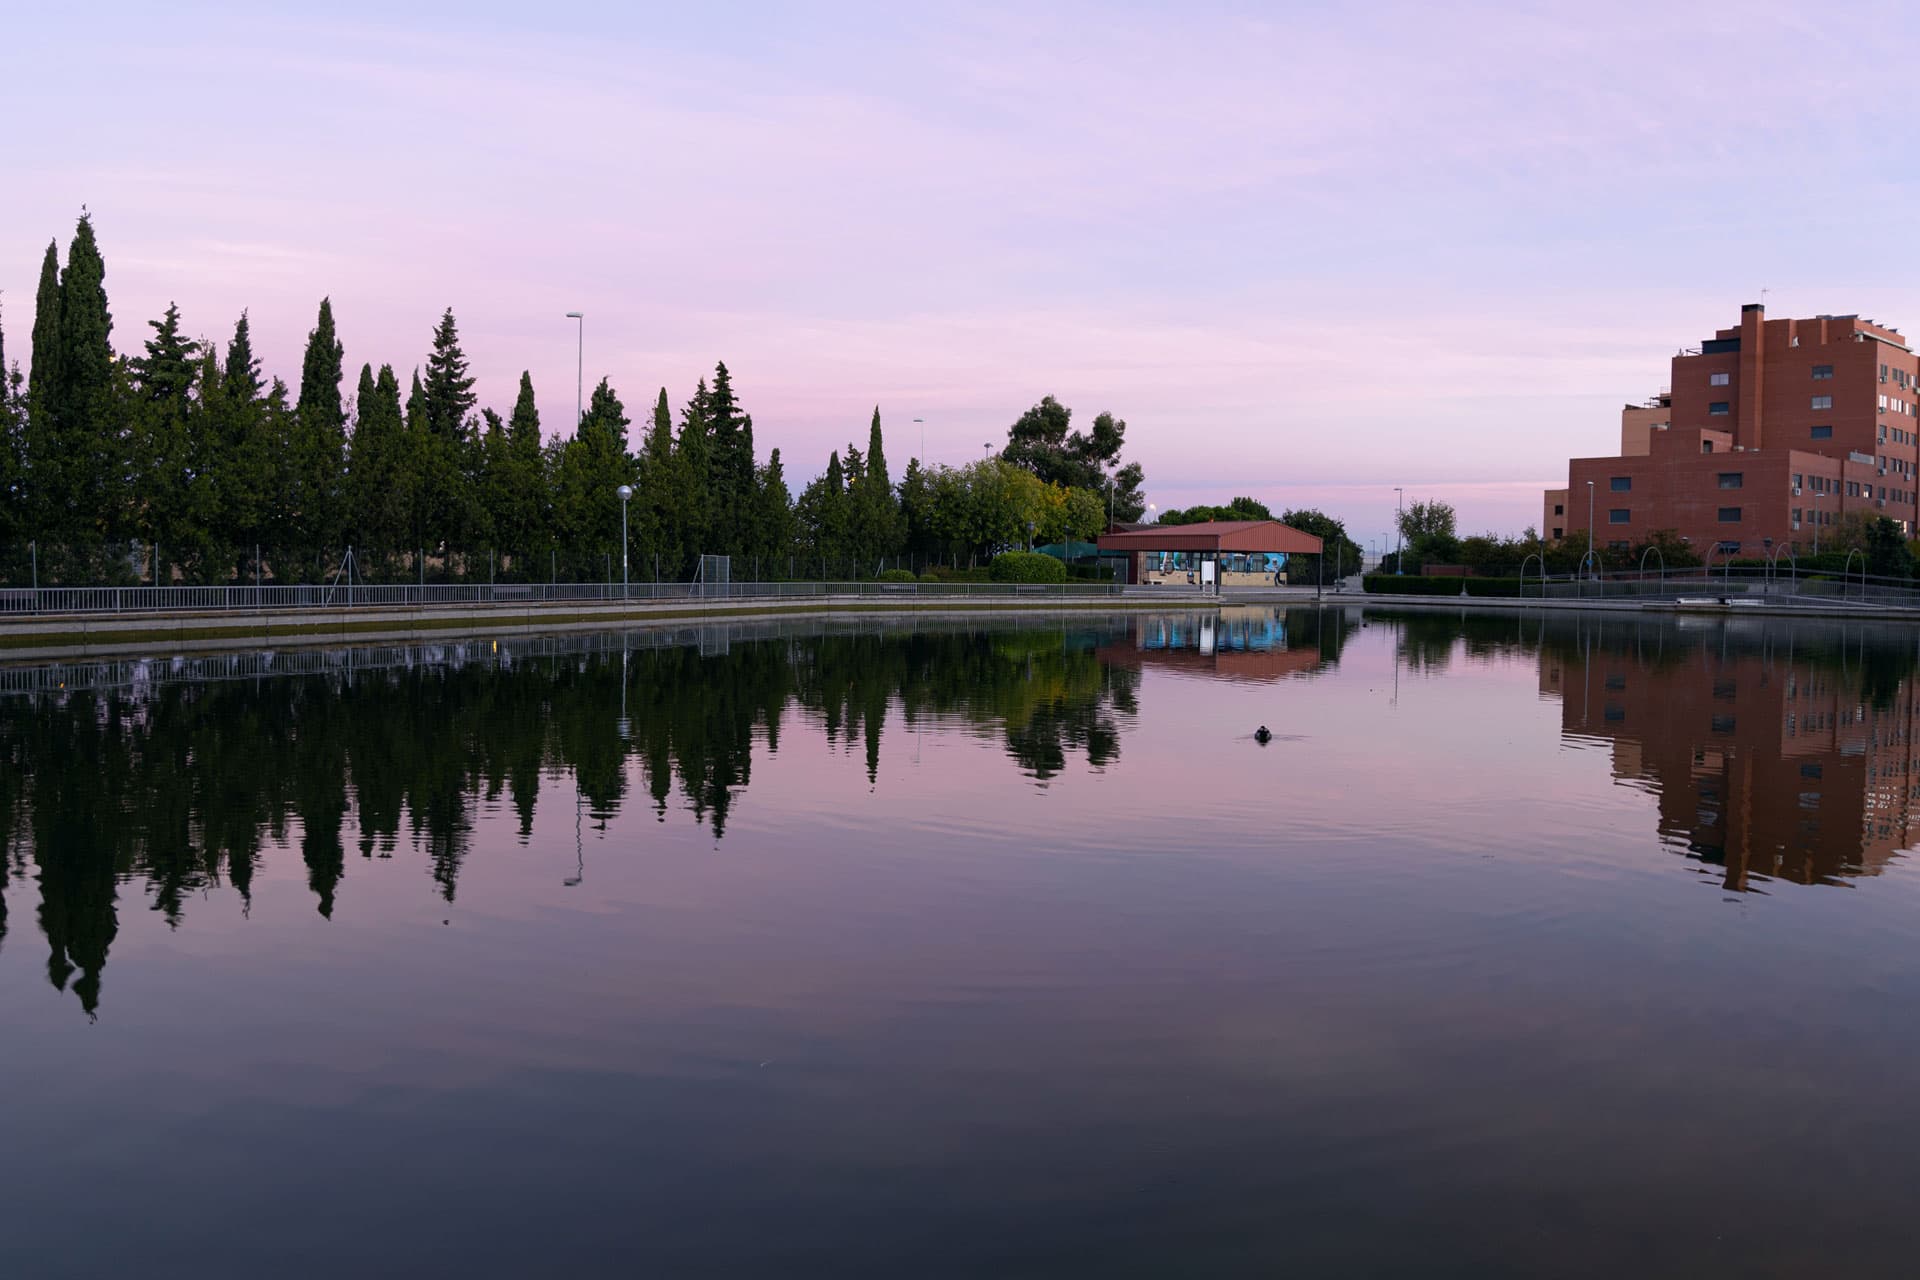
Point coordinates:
[(188, 450), (1429, 535)]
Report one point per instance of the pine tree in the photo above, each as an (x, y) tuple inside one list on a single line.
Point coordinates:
[(728, 503), (593, 465), (163, 437), (448, 388), (320, 441)]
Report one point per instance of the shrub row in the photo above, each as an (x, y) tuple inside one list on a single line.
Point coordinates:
[(1028, 566), (1391, 584)]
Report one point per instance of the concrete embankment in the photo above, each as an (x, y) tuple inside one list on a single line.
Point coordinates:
[(32, 637), (104, 635)]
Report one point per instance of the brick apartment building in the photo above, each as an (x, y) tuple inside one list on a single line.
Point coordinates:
[(1771, 433)]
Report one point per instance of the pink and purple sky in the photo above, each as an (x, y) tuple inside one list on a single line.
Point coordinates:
[(1308, 251)]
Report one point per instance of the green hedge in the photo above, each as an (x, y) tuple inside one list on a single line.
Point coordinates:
[(898, 575), (1028, 566), (947, 573), (1502, 586), (1390, 584)]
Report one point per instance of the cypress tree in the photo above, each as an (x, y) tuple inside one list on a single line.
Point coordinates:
[(520, 524), (320, 439), (87, 442), (43, 370), (243, 371), (658, 505), (12, 453), (693, 456), (773, 518), (380, 521)]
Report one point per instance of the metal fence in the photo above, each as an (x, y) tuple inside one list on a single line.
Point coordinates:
[(1780, 587), (17, 601)]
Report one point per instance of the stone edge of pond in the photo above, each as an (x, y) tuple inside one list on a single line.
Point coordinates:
[(124, 636)]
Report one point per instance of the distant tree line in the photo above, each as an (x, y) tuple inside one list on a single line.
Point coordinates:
[(1429, 535), (184, 462)]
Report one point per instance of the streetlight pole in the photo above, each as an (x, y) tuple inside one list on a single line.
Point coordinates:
[(579, 366), (1593, 536), (1399, 554), (625, 491), (923, 442)]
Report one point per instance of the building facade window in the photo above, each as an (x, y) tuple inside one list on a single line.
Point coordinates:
[(1822, 372), (1823, 433), (1619, 515), (1721, 408), (1718, 379), (1823, 402), (1621, 484), (1732, 479), (1729, 515), (1729, 548), (1796, 517)]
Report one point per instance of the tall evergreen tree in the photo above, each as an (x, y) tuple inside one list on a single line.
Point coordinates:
[(594, 464), (380, 520), (773, 520), (89, 422), (243, 370), (320, 441), (728, 487), (823, 518), (449, 397), (43, 376), (874, 513), (163, 424), (694, 461), (520, 514), (655, 522), (12, 454)]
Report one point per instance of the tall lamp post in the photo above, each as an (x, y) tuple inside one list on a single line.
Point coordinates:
[(923, 442), (1399, 555), (1593, 537), (579, 365), (625, 491)]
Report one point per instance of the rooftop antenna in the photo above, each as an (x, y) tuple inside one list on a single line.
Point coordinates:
[(1763, 297)]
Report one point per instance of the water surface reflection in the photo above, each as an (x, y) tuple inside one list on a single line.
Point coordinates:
[(969, 948)]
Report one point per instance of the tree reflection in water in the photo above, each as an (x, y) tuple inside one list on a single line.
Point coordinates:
[(178, 783)]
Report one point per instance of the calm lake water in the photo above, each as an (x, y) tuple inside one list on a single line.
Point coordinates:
[(1583, 947)]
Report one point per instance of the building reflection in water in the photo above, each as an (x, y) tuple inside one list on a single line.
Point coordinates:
[(1243, 643), (1771, 750)]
